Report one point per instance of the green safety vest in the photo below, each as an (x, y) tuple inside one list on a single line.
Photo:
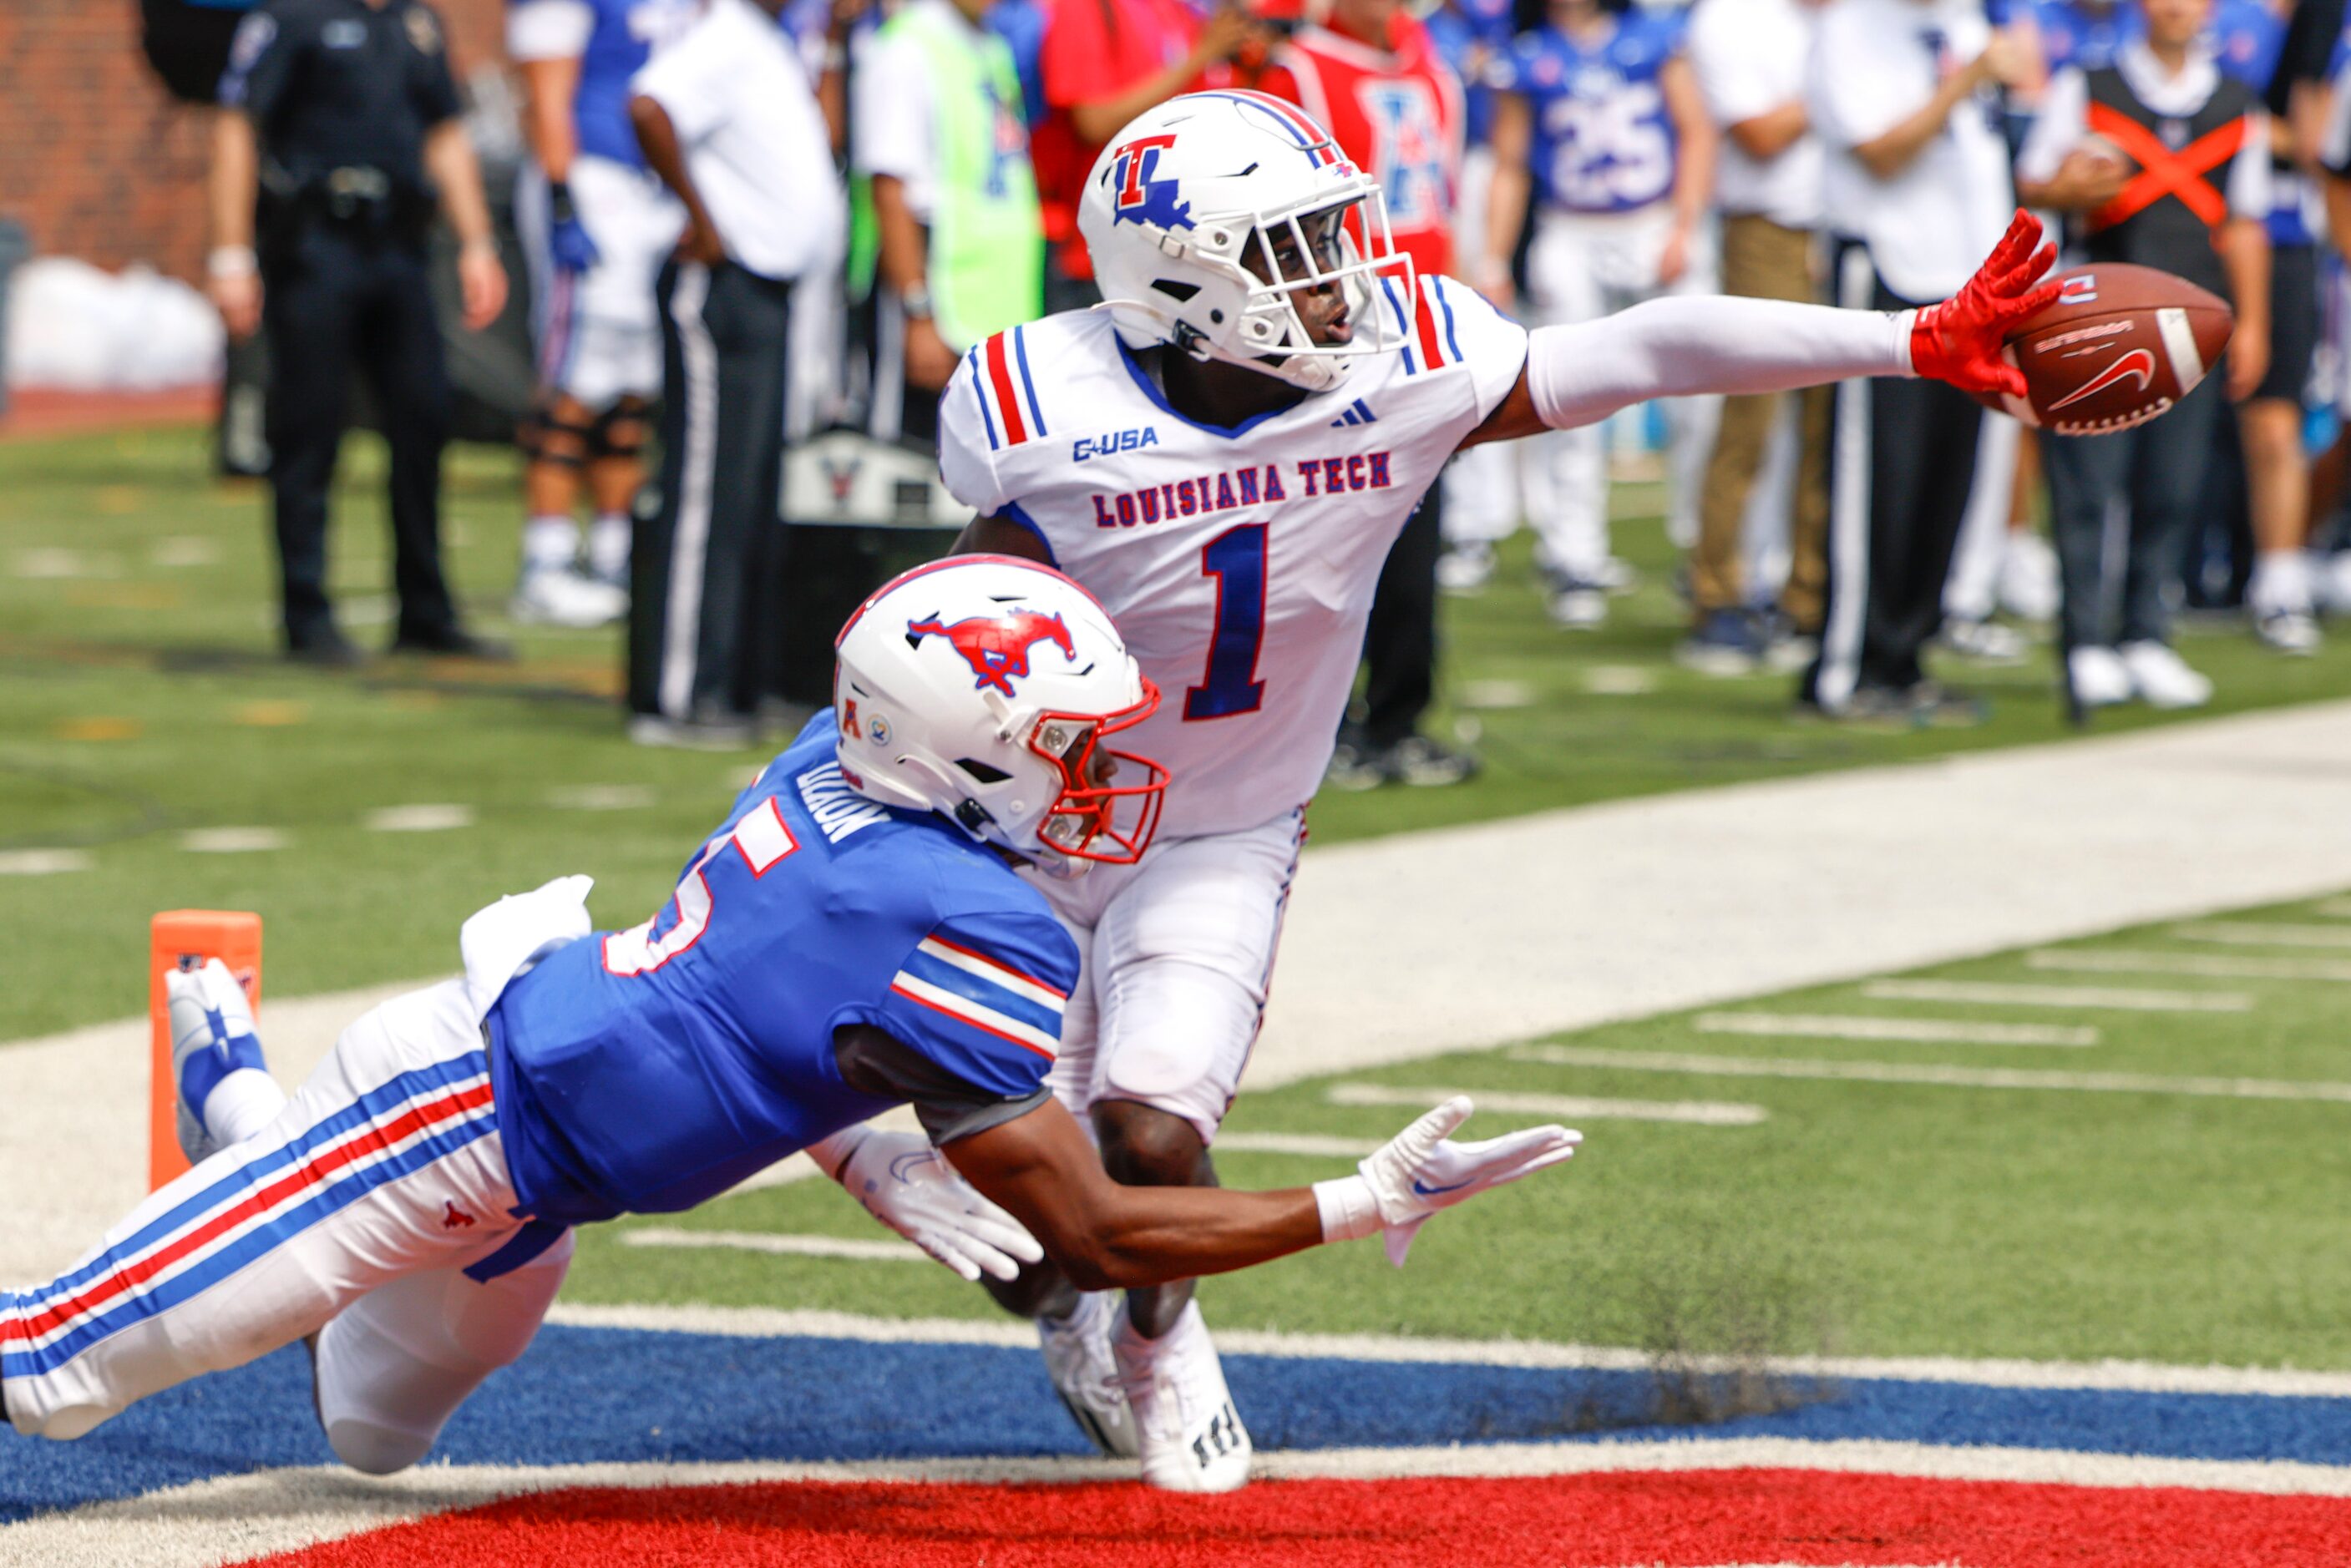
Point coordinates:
[(987, 266)]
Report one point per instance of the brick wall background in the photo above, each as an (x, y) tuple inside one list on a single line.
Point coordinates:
[(96, 160)]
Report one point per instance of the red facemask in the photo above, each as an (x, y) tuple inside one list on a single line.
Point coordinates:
[(1105, 821)]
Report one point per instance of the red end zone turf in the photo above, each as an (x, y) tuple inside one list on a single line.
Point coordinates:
[(1698, 1520)]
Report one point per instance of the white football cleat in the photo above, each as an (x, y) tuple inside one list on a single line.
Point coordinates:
[(1078, 1359), (1192, 1437), (2098, 677), (212, 1037), (557, 595), (2162, 677)]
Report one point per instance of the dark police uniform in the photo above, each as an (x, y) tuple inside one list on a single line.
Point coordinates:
[(341, 95)]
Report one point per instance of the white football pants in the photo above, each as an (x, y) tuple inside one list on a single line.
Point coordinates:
[(597, 332), (1177, 954), (1583, 267), (375, 1211)]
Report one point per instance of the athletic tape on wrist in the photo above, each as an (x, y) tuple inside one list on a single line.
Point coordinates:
[(1348, 1208)]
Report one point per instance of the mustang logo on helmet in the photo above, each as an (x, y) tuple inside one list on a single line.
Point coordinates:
[(1140, 199), (997, 646)]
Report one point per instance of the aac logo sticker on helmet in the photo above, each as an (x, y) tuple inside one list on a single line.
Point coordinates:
[(997, 646), (1140, 199)]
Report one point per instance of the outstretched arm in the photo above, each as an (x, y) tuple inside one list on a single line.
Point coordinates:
[(1679, 347), (1041, 1168)]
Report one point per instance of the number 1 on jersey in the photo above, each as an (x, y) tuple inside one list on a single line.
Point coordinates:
[(1236, 558)]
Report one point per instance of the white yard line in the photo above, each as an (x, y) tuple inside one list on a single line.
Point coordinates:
[(424, 818), (2090, 998), (2265, 934), (999, 1333), (1506, 931), (1920, 1073), (1922, 1030), (869, 1251), (1312, 1144), (2333, 908), (2198, 966), (1575, 1108), (240, 1517)]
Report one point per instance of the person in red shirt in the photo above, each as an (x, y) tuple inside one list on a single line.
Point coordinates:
[(1105, 62), (1372, 76)]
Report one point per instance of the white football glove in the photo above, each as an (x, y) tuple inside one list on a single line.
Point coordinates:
[(501, 941), (1420, 1171), (904, 1183)]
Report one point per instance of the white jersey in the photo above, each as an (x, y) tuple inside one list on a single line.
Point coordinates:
[(1238, 562)]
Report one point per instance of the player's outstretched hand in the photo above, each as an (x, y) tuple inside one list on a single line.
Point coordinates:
[(1422, 1170), (904, 1183), (1961, 340)]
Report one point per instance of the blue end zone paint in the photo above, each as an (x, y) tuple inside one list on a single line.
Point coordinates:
[(586, 1395)]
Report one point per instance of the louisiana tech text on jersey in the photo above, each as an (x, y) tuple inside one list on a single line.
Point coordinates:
[(1238, 487)]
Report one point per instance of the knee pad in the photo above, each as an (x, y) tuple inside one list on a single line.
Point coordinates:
[(545, 436), (619, 430), (1181, 1036)]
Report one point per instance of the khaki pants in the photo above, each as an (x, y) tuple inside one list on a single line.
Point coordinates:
[(1761, 260)]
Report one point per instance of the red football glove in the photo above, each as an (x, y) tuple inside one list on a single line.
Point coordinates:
[(1961, 340)]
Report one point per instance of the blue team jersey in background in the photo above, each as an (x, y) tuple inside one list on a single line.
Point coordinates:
[(647, 1071), (1603, 141), (1472, 35), (2246, 39), (2085, 36), (623, 37)]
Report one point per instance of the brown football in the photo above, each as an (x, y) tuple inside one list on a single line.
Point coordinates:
[(2120, 345)]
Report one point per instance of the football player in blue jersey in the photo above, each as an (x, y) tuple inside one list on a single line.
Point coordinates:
[(854, 936)]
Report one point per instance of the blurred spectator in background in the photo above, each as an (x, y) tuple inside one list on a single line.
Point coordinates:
[(2084, 34), (2167, 160), (1602, 115), (595, 224), (323, 192), (2281, 51), (1369, 75), (1482, 484), (1916, 192), (1751, 58), (940, 139), (1105, 62), (728, 118)]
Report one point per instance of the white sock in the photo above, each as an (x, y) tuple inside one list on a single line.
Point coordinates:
[(2280, 582), (608, 544), (240, 1104), (550, 544)]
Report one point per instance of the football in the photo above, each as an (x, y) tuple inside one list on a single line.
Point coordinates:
[(2120, 344)]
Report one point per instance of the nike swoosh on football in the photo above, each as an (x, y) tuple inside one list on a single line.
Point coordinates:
[(1426, 1192), (2138, 362)]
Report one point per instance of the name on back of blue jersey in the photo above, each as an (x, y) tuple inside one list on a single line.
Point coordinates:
[(1255, 485), (1085, 449), (838, 810)]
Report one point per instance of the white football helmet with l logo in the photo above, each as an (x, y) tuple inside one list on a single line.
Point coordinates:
[(1183, 212), (984, 687)]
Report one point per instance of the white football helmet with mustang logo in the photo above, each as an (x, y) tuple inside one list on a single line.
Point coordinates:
[(1206, 214), (984, 687)]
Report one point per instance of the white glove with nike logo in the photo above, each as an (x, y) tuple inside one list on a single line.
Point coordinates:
[(904, 1183), (1420, 1171)]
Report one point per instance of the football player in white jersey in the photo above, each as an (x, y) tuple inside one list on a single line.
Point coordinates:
[(1222, 453)]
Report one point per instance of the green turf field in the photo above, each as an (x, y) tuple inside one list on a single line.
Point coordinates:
[(140, 703), (1856, 1217)]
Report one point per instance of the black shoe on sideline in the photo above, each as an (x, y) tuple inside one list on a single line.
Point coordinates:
[(322, 647), (453, 642)]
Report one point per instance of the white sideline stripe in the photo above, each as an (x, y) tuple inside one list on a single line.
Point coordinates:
[(2265, 934), (1926, 1031), (1698, 1113), (1317, 1144), (2202, 966), (276, 1511), (1929, 1073), (769, 1242), (2122, 999), (2120, 1377)]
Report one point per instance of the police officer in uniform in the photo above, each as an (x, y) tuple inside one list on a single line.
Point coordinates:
[(343, 138)]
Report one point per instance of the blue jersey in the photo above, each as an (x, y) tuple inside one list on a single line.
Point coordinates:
[(1603, 140), (2084, 35), (2246, 39), (623, 37), (648, 1070), (1472, 35)]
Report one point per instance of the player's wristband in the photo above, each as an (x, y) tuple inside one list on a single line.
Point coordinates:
[(1348, 1208), (231, 261), (559, 206)]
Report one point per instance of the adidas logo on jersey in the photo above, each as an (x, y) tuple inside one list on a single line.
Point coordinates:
[(1358, 413)]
